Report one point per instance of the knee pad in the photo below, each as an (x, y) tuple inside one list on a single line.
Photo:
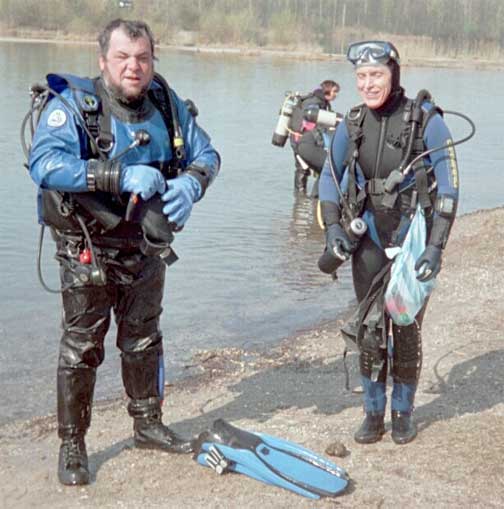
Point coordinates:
[(372, 358), (373, 365), (407, 356)]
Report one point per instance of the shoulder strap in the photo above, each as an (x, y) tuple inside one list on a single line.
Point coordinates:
[(354, 120), (99, 121), (161, 99), (355, 117), (169, 112), (408, 109), (96, 115), (421, 177)]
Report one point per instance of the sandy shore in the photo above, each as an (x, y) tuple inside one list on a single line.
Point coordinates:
[(296, 391)]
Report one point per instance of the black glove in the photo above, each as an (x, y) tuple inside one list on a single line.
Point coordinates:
[(338, 243), (429, 263)]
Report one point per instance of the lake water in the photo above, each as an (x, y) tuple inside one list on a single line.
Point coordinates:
[(247, 272)]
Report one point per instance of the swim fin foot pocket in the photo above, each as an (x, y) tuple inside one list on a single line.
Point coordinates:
[(225, 448)]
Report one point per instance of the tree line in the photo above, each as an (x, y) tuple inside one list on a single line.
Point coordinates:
[(446, 27)]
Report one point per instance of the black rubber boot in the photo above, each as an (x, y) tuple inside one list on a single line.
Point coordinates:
[(150, 432), (73, 467), (371, 430), (75, 395), (404, 429)]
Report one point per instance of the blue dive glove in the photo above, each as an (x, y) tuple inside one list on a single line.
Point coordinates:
[(429, 264), (143, 180), (182, 192)]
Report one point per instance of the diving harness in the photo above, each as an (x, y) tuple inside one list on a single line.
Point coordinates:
[(90, 271)]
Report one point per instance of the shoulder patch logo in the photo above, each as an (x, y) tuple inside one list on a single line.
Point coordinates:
[(57, 118)]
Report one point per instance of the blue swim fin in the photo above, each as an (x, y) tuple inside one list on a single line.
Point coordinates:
[(225, 448)]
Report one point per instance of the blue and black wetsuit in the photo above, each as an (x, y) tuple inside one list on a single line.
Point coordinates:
[(382, 140)]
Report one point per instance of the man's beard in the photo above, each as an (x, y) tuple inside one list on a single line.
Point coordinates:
[(117, 93)]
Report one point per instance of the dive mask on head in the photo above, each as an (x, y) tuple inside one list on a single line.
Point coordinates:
[(372, 53)]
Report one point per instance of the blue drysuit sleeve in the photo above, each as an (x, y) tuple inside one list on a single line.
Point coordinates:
[(55, 156), (337, 153), (444, 161), (199, 149)]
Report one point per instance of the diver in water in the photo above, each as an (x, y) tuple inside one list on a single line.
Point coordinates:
[(125, 133), (384, 133), (308, 140)]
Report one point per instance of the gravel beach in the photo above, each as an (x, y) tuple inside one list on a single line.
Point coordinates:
[(296, 391)]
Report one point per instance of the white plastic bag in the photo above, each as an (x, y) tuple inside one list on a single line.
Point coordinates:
[(405, 295)]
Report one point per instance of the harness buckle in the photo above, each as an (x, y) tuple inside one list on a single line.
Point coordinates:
[(354, 113), (376, 186)]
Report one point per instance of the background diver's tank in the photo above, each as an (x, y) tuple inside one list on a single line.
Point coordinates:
[(313, 145), (282, 128), (310, 146), (323, 118)]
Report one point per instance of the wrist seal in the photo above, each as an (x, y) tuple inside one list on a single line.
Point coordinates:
[(104, 176), (202, 174), (440, 231), (445, 206)]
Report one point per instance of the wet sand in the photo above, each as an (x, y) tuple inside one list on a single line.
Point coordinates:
[(296, 391)]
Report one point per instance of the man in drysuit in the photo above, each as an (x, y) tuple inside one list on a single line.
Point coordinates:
[(101, 144)]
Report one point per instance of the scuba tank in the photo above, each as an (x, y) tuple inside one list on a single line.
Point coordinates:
[(281, 132)]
